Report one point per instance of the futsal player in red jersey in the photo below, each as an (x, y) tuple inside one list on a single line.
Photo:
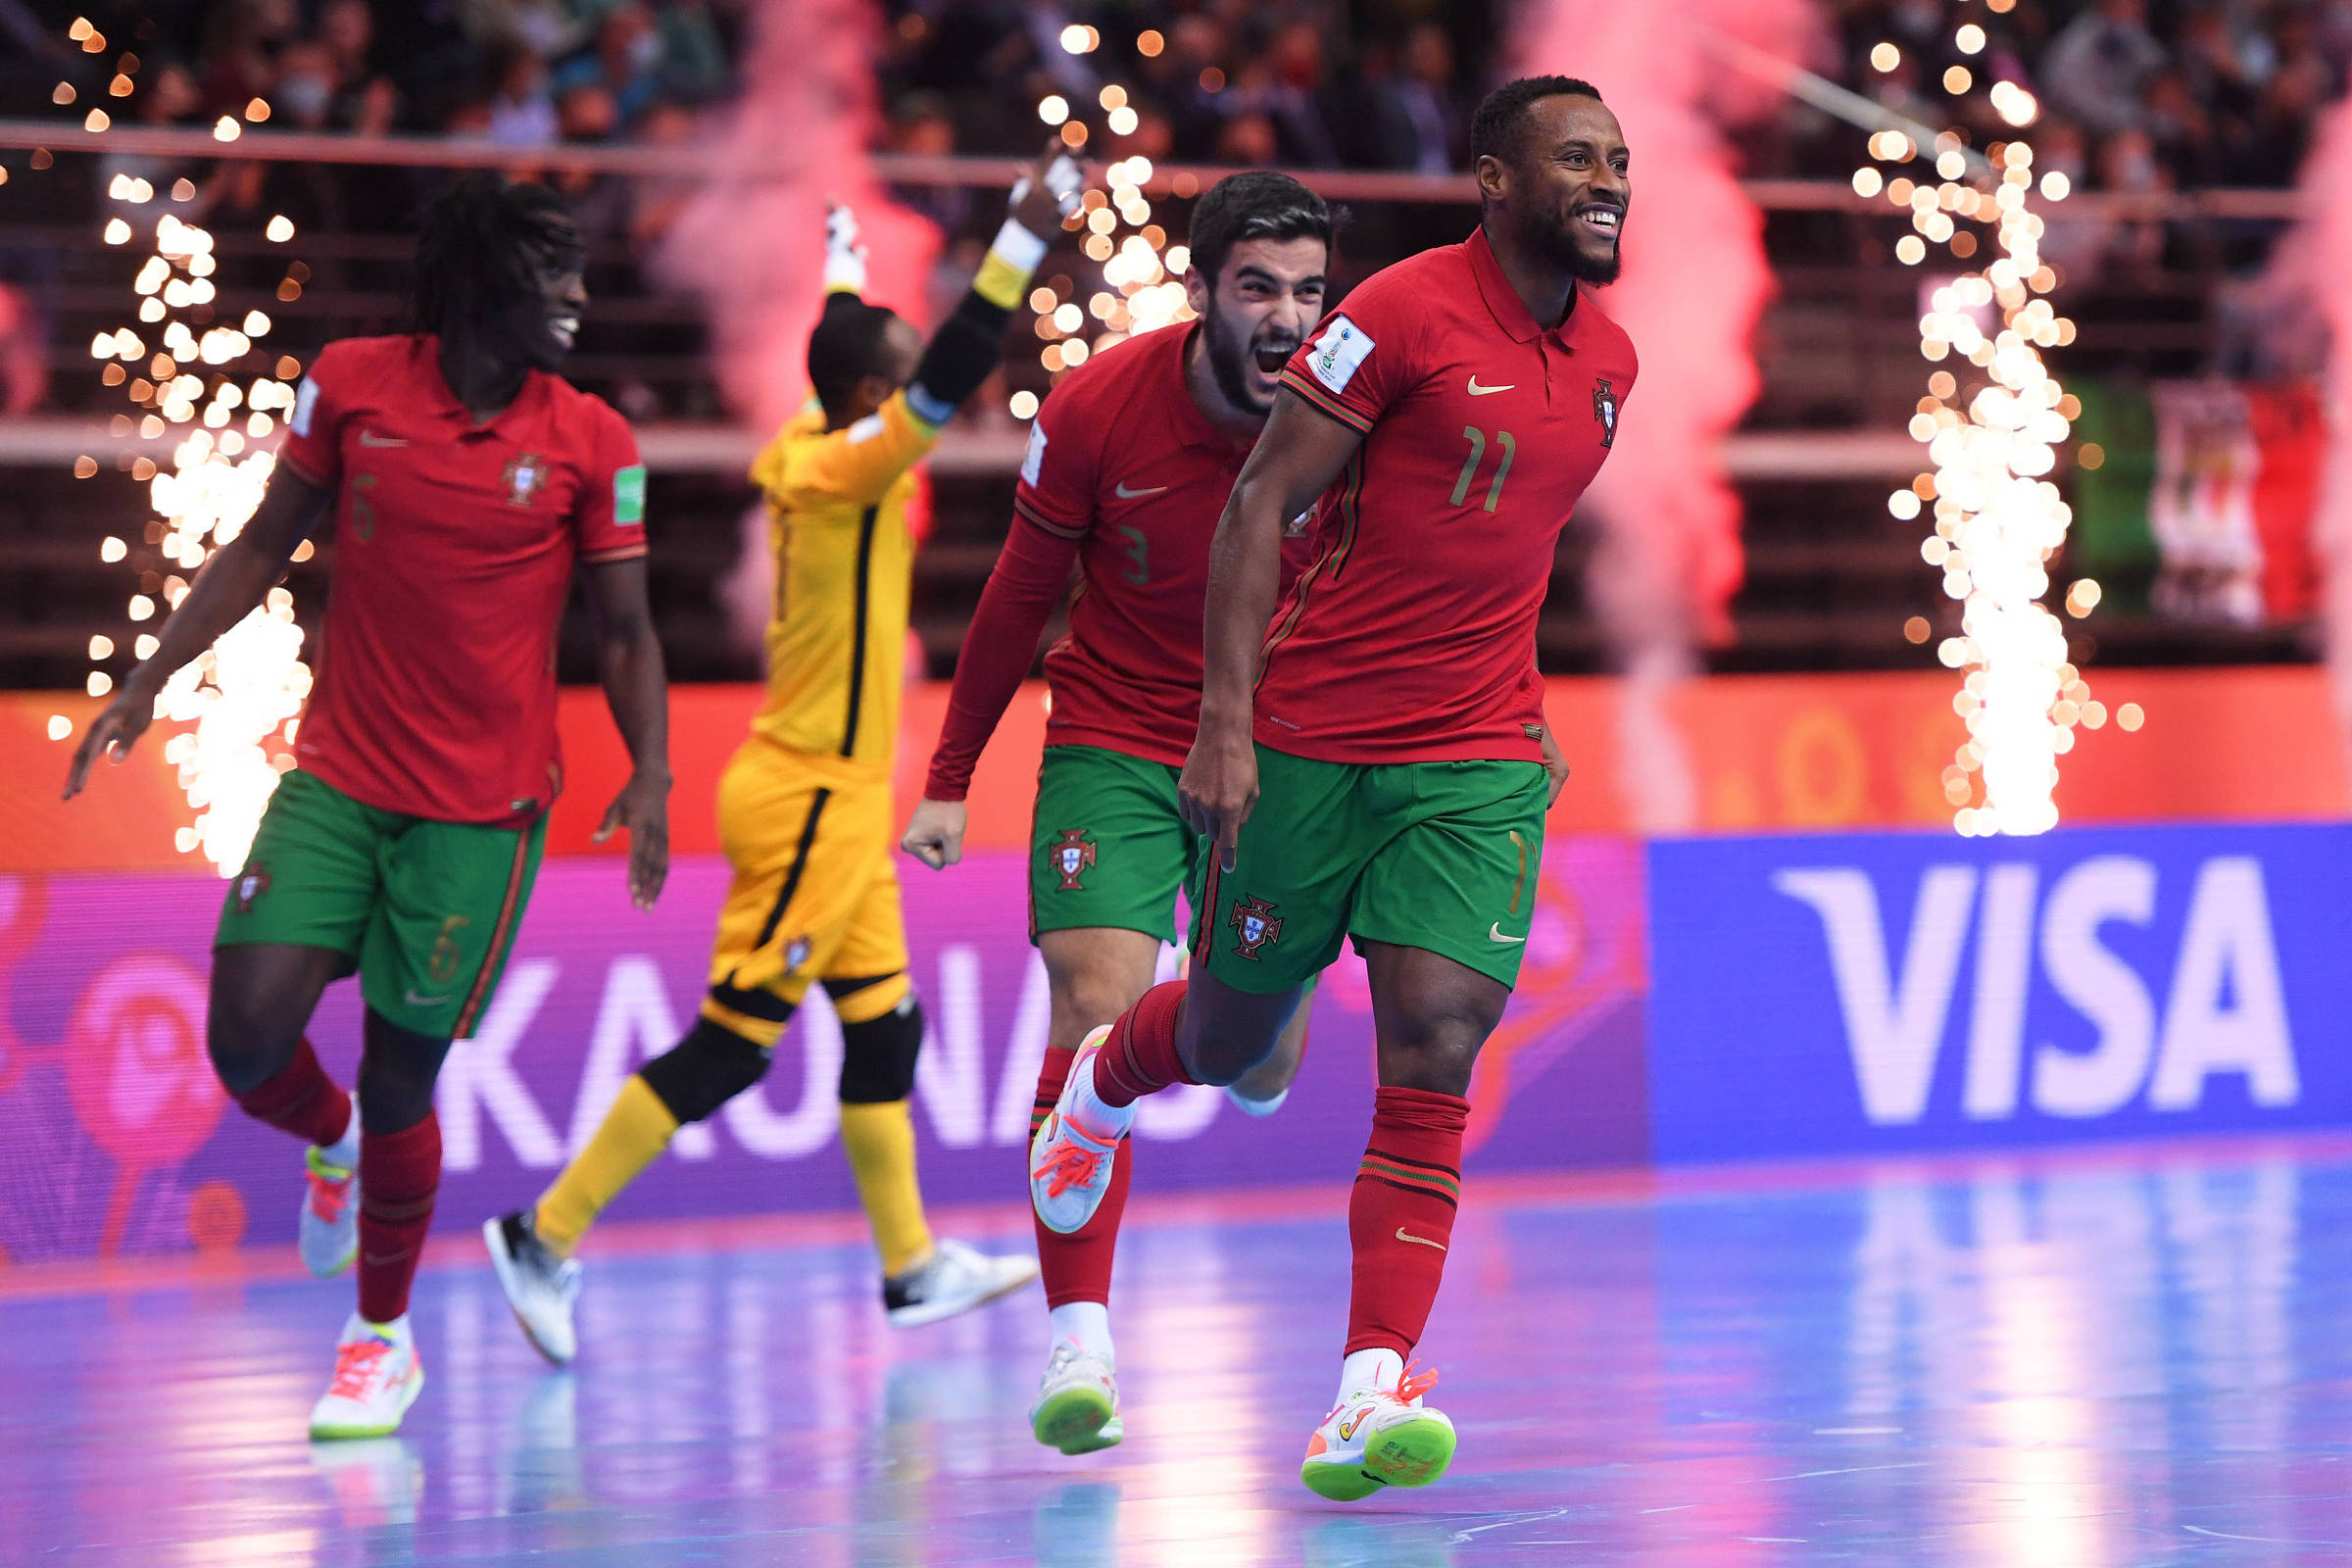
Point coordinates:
[(1128, 467), (1449, 414), (467, 484)]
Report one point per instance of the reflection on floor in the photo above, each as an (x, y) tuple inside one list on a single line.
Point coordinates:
[(2135, 1357)]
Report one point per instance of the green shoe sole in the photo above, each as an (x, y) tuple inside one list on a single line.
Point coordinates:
[(1340, 1483), (1410, 1453), (1072, 1416), (1109, 1435)]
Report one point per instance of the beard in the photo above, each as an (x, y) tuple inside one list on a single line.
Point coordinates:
[(1555, 235), (1229, 356)]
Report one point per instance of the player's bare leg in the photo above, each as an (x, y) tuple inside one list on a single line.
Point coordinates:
[(1261, 1090), (1430, 1016), (1198, 1031), (263, 995)]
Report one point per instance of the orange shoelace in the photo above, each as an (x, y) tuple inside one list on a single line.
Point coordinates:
[(1069, 1166), (327, 1196), (356, 1366), (1416, 1382)]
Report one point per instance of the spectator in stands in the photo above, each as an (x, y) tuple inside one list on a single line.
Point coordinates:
[(1284, 84), (241, 41), (2278, 133), (921, 127), (2098, 69), (522, 111), (600, 202), (364, 98), (2129, 165), (552, 28), (1418, 121), (656, 201), (626, 62), (1249, 140), (694, 64)]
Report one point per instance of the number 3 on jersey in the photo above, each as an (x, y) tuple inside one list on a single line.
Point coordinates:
[(1138, 555), (1478, 451)]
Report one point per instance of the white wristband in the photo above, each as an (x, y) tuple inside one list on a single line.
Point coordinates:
[(1017, 246)]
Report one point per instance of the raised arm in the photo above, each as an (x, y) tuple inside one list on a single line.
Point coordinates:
[(859, 463), (238, 578), (1295, 461)]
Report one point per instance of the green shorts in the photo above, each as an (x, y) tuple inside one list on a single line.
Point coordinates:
[(1107, 847), (425, 910), (1437, 856)]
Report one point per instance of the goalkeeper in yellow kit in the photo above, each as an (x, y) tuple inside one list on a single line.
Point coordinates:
[(805, 808)]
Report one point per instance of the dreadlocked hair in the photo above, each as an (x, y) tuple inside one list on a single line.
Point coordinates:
[(480, 244)]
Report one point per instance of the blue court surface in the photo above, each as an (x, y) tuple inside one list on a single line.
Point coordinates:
[(2132, 1356)]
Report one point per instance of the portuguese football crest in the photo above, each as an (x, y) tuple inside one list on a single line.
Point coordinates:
[(1605, 409), (1073, 854), (1255, 926), (252, 883), (525, 474)]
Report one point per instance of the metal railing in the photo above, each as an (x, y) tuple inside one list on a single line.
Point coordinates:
[(663, 162)]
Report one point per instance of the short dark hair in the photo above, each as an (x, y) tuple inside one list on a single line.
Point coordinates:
[(1257, 204), (480, 243), (851, 343), (1494, 129)]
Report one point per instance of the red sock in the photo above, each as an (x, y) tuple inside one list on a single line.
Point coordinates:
[(1077, 1266), (1140, 1056), (300, 1099), (399, 1173), (1401, 1216)]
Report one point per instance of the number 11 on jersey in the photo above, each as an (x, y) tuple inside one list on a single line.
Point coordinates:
[(1478, 451)]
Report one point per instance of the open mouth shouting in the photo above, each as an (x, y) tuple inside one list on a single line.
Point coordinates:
[(1270, 358)]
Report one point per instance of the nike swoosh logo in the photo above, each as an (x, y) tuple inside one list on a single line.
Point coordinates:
[(369, 438), (1478, 391), (1405, 1235), (1495, 934), (1125, 494), (414, 1001)]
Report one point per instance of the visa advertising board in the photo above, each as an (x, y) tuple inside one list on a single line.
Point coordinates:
[(1892, 991)]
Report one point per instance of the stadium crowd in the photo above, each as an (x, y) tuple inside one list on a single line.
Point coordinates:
[(2139, 95), (2135, 94)]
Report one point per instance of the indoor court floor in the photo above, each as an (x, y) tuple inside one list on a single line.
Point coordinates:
[(2138, 1355)]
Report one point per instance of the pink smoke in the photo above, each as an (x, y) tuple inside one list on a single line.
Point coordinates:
[(751, 241), (2314, 266), (1696, 282)]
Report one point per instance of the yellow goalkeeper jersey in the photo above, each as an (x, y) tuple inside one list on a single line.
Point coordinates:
[(837, 634)]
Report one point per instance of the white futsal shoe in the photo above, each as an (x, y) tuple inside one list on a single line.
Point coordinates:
[(1379, 1437), (540, 1287), (328, 1231), (1077, 1408), (377, 1377), (1070, 1164), (954, 1279)]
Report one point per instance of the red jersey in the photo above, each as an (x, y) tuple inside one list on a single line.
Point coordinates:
[(453, 550), (1412, 635), (1127, 477)]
